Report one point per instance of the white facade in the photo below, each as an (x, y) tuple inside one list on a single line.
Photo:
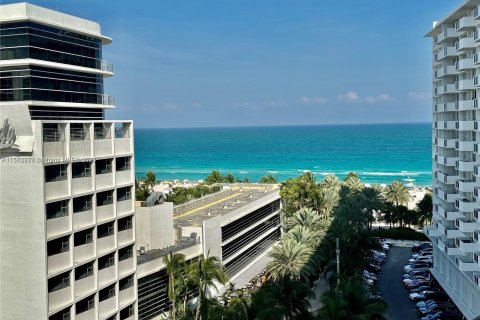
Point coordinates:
[(67, 224), (456, 159)]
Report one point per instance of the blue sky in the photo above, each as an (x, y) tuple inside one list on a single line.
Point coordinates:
[(270, 62)]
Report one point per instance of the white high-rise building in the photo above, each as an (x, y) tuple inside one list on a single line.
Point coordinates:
[(67, 234), (456, 156)]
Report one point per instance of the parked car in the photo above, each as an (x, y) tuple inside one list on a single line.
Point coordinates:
[(421, 246)]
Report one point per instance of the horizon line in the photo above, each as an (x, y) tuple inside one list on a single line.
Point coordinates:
[(287, 125)]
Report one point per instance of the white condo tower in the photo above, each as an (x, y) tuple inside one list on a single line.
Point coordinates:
[(456, 156), (67, 231)]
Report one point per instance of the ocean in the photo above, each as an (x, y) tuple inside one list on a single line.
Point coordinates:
[(378, 153)]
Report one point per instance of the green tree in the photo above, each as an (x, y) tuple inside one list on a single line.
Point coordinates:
[(290, 260), (174, 263), (150, 179), (268, 179), (205, 272), (333, 306), (229, 178), (214, 177), (397, 193), (425, 209)]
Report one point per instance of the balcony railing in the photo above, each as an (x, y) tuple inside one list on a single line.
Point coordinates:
[(106, 66)]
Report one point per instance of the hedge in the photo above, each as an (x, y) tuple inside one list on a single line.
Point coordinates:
[(399, 234)]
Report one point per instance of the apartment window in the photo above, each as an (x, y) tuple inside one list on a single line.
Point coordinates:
[(105, 230), (78, 131), (124, 193), (103, 166), (83, 237), (106, 261), (61, 315), (59, 282), (56, 173), (125, 223), (81, 169), (106, 293), (102, 131), (57, 209), (83, 203), (84, 271), (127, 312), (85, 304), (126, 283), (122, 130), (123, 163), (104, 198), (125, 253), (52, 132), (57, 246)]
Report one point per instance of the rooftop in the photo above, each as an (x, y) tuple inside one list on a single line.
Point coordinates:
[(24, 11), (232, 198), (454, 15)]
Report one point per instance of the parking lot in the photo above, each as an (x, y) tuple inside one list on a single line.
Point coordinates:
[(400, 307)]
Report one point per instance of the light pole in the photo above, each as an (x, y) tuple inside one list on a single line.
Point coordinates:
[(338, 262)]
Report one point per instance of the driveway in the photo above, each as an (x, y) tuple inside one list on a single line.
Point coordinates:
[(400, 307)]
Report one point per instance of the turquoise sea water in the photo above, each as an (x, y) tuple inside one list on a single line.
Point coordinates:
[(378, 153)]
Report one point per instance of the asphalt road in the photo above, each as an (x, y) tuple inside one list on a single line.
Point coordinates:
[(400, 307)]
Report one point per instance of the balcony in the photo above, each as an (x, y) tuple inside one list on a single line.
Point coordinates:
[(104, 180), (60, 298), (106, 276), (465, 186), (126, 266), (107, 306), (465, 44), (56, 189), (464, 64), (463, 105), (59, 262), (124, 207), (476, 236), (466, 264), (447, 179), (124, 237), (447, 33), (123, 177), (448, 197), (445, 89), (57, 226), (446, 161), (126, 296), (86, 315), (105, 212), (446, 71), (468, 246), (85, 286), (445, 143), (431, 231), (80, 149), (106, 244), (55, 149), (106, 100), (449, 125), (465, 84), (465, 206), (465, 23), (83, 219), (445, 107), (83, 253), (82, 185), (448, 215), (464, 166), (103, 147), (476, 214), (466, 226), (107, 66), (465, 125), (465, 145), (123, 146)]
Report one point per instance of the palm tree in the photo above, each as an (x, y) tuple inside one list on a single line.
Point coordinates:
[(205, 272), (268, 179), (229, 178), (290, 260), (214, 177), (332, 182), (425, 208), (150, 179), (174, 264), (307, 218), (302, 234), (397, 193), (334, 305), (353, 183)]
